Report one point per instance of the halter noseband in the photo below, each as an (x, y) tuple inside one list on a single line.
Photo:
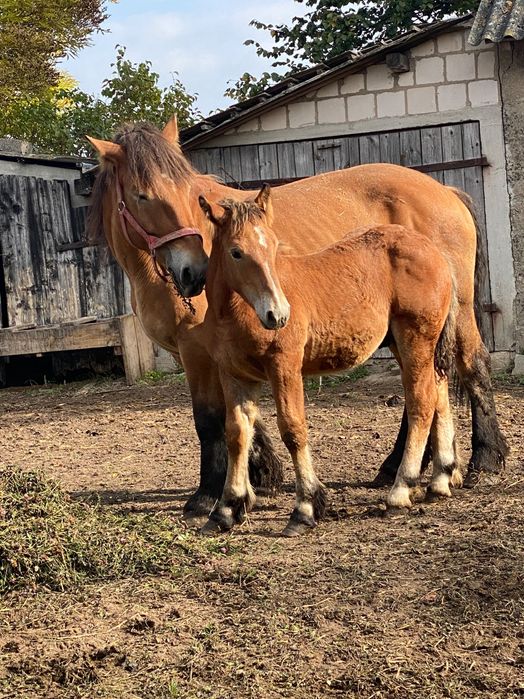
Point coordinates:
[(152, 241)]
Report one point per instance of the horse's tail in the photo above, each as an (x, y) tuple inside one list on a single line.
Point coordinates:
[(447, 342), (480, 257)]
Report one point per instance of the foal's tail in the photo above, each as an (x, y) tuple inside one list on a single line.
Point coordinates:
[(446, 345)]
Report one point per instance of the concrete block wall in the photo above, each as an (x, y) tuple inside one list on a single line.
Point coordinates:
[(446, 74)]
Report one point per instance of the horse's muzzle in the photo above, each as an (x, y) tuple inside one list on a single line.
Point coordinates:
[(190, 282)]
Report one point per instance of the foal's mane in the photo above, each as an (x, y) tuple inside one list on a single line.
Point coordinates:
[(238, 213), (149, 156)]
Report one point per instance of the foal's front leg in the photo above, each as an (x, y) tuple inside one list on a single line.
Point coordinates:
[(288, 392), (238, 496)]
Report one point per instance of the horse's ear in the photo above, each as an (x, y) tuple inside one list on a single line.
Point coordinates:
[(211, 211), (170, 130), (263, 201), (107, 150)]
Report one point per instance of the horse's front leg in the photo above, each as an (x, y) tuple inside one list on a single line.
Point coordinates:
[(209, 415), (288, 392), (238, 496)]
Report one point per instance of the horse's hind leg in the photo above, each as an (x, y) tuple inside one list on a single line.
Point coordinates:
[(488, 445), (447, 470), (389, 467), (288, 392)]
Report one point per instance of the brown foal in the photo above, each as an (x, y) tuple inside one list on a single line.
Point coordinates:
[(275, 318)]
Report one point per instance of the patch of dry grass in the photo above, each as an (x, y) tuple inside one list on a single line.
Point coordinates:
[(49, 540)]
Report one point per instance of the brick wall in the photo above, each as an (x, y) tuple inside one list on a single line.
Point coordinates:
[(446, 74)]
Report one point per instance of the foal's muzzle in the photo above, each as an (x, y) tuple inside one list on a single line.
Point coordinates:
[(274, 321)]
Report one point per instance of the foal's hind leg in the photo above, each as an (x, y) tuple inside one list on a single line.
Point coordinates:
[(418, 377), (288, 392), (447, 469)]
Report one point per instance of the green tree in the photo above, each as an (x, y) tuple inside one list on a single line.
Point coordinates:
[(57, 120), (334, 26), (35, 35)]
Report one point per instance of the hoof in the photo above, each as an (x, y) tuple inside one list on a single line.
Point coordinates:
[(394, 512), (200, 505), (472, 479), (435, 496), (214, 528), (194, 521), (383, 478), (298, 524)]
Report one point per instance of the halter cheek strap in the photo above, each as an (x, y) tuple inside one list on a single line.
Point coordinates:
[(153, 242)]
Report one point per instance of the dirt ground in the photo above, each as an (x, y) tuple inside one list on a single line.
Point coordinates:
[(427, 605)]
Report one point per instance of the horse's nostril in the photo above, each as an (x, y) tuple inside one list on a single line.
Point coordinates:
[(271, 320), (186, 276)]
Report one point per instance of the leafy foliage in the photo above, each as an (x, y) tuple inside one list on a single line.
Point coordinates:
[(34, 35), (57, 120), (334, 26)]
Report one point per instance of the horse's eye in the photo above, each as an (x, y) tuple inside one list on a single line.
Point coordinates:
[(142, 196), (236, 254)]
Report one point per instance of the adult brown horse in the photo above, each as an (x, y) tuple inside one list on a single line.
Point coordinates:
[(161, 189), (275, 318)]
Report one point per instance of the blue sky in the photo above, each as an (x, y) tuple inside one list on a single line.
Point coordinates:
[(201, 39)]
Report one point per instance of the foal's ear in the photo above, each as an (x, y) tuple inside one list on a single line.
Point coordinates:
[(263, 201), (170, 130), (107, 150), (212, 214)]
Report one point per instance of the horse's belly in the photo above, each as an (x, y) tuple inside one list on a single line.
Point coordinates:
[(333, 354)]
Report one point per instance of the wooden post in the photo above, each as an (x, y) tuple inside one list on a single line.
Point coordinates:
[(137, 349)]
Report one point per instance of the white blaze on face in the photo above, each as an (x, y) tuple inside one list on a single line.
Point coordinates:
[(261, 237)]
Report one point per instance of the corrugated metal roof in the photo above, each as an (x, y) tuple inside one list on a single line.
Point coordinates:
[(312, 78), (496, 20)]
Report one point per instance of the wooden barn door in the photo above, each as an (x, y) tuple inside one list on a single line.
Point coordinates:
[(48, 275), (452, 154)]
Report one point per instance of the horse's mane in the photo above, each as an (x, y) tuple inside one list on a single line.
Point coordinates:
[(238, 213), (148, 156)]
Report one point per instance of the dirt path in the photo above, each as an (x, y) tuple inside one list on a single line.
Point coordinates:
[(429, 605)]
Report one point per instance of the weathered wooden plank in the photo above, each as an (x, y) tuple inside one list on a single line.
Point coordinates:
[(431, 143), (286, 160), (249, 163), (369, 146), (214, 165), (227, 166), (389, 144), (303, 152), (235, 164), (474, 186), (410, 148), (198, 159), (452, 149), (268, 160), (348, 154), (104, 284), (323, 150), (104, 333)]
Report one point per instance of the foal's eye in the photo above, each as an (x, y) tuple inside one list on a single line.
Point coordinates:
[(236, 254)]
